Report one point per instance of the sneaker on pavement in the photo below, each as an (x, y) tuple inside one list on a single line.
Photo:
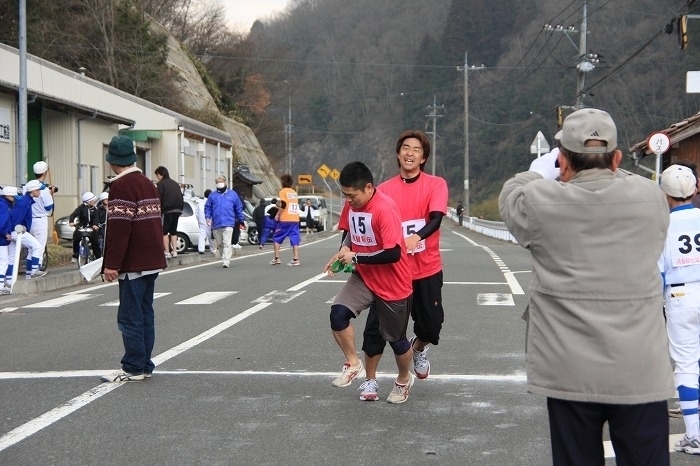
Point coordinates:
[(39, 273), (147, 375), (4, 290), (168, 255), (121, 376), (293, 263), (349, 374), (421, 365), (688, 445), (369, 389), (275, 261), (400, 392), (173, 254), (74, 259)]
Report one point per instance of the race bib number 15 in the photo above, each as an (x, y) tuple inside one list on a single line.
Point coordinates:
[(361, 232)]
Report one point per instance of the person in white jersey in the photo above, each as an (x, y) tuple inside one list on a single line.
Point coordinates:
[(43, 206), (680, 267)]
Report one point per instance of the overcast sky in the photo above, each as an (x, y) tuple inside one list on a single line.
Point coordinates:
[(243, 13)]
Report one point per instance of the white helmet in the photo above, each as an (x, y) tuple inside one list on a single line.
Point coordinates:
[(103, 195), (88, 196), (40, 167)]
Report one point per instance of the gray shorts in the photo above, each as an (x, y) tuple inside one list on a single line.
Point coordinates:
[(393, 315)]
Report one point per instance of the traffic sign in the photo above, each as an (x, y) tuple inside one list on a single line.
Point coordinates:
[(323, 170), (304, 179), (658, 143), (539, 144), (335, 174)]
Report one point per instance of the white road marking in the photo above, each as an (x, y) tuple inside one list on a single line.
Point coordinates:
[(307, 282), (495, 299), (8, 309), (276, 296), (35, 425), (116, 302), (62, 301), (209, 297), (518, 377)]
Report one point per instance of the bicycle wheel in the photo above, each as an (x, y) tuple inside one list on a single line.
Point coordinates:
[(84, 252)]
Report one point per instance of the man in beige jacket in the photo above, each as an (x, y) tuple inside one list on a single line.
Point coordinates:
[(596, 343)]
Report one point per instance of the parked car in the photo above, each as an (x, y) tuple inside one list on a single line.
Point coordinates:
[(187, 227)]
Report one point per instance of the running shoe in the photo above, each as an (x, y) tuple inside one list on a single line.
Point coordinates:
[(400, 392), (421, 365), (121, 376), (369, 389), (349, 374), (293, 263), (275, 261), (688, 445)]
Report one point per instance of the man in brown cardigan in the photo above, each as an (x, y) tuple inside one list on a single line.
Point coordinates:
[(133, 255)]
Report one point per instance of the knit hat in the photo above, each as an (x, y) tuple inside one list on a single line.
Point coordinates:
[(584, 125), (678, 181), (32, 185), (121, 151)]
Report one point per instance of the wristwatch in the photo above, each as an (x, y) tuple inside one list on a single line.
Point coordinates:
[(354, 259)]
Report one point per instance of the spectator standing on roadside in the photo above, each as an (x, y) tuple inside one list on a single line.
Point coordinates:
[(287, 222), (171, 205), (21, 214), (422, 202), (308, 213), (259, 216), (269, 222), (42, 208), (374, 243), (5, 238), (102, 202), (680, 267), (460, 212), (224, 213), (204, 230), (596, 343), (134, 256)]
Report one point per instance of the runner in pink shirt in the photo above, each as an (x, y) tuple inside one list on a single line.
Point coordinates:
[(382, 279)]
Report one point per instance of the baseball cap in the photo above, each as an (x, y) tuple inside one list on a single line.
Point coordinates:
[(32, 185), (9, 191), (678, 181), (584, 125), (40, 167), (88, 196)]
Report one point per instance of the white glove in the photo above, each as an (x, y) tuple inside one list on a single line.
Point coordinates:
[(545, 165)]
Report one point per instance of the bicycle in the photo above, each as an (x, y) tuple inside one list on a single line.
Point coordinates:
[(85, 254)]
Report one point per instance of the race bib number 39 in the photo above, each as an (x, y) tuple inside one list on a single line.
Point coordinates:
[(361, 232), (687, 249), (413, 226)]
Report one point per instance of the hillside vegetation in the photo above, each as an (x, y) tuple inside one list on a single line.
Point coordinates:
[(355, 74)]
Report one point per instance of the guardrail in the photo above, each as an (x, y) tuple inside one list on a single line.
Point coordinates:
[(485, 227)]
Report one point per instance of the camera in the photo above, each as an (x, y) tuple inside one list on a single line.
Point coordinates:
[(54, 189)]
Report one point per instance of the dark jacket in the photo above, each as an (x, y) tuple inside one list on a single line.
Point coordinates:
[(171, 199), (84, 216)]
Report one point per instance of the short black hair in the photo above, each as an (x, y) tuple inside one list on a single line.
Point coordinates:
[(355, 175)]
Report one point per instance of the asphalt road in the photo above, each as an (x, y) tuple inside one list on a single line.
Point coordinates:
[(245, 358)]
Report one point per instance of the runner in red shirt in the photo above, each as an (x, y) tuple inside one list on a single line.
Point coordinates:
[(382, 279)]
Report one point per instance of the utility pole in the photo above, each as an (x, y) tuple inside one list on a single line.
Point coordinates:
[(434, 115), (22, 143), (466, 70), (587, 61)]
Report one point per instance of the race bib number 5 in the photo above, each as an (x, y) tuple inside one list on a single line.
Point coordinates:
[(687, 250), (413, 226)]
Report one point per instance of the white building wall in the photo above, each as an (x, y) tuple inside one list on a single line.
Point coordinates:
[(8, 116)]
